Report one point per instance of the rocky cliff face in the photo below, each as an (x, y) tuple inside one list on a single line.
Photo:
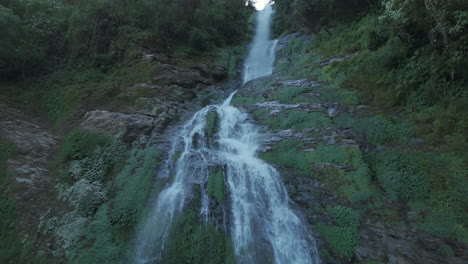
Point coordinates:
[(315, 134), (61, 184)]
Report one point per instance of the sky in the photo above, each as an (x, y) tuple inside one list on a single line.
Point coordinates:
[(260, 4)]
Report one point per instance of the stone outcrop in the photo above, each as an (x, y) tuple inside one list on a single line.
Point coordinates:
[(32, 145)]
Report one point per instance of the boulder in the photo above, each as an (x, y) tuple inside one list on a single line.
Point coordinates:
[(131, 126), (166, 75)]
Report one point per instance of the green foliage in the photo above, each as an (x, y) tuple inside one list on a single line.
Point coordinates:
[(212, 123), (403, 175), (216, 185), (231, 57), (296, 119), (79, 144), (344, 216), (106, 237), (287, 95), (444, 224), (195, 242), (343, 237), (378, 130), (344, 169), (199, 40), (98, 34), (287, 153), (132, 186)]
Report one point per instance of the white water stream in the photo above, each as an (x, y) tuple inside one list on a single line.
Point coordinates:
[(262, 51), (262, 225)]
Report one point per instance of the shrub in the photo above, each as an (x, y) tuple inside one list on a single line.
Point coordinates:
[(79, 144), (378, 130), (86, 196), (199, 40), (297, 120), (287, 153), (344, 237), (402, 175)]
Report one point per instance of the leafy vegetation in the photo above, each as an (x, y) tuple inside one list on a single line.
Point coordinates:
[(343, 237), (42, 34), (402, 175), (295, 119), (378, 130)]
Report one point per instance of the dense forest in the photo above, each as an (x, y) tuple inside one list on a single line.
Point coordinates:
[(40, 35), (139, 67)]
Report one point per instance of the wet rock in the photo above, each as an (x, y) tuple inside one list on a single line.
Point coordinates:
[(298, 83), (220, 73), (32, 144), (389, 245), (340, 59)]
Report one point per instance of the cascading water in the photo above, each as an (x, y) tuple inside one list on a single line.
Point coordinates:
[(261, 223), (262, 51)]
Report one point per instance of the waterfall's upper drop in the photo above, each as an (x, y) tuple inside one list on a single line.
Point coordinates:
[(262, 51)]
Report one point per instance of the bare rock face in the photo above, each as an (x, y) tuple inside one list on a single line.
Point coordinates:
[(32, 144), (167, 75), (132, 127)]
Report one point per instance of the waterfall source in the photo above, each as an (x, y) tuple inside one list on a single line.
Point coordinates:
[(262, 51), (256, 213)]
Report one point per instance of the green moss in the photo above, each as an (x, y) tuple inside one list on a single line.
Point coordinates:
[(195, 242), (216, 185), (211, 123)]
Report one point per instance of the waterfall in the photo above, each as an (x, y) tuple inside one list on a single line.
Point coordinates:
[(259, 219), (262, 51)]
